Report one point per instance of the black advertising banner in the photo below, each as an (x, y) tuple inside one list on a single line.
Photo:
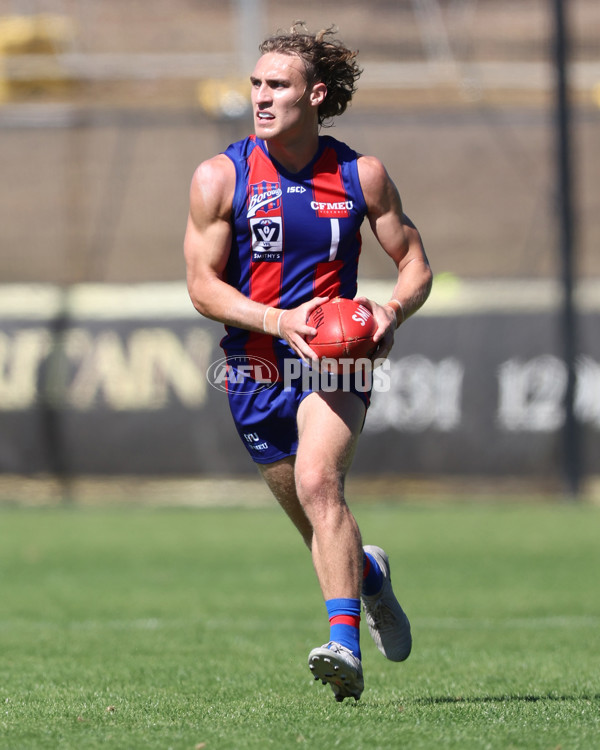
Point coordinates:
[(124, 393)]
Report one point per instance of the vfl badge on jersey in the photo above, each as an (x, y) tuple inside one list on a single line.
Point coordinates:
[(267, 240), (265, 197)]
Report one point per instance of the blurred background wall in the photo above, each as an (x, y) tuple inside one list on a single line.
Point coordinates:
[(107, 106)]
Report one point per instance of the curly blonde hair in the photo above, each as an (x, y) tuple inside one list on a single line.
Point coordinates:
[(327, 60)]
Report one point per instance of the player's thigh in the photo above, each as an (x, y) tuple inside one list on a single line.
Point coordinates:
[(279, 477), (329, 425)]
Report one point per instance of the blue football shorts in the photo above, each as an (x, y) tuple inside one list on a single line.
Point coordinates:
[(265, 414)]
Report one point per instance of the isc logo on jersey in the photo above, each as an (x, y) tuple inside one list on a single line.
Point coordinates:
[(267, 244)]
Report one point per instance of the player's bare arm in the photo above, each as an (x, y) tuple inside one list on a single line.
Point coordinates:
[(400, 239), (207, 243), (207, 246)]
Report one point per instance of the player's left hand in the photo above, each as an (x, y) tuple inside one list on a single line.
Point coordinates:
[(385, 317)]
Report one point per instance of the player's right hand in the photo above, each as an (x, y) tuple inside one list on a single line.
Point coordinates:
[(297, 333)]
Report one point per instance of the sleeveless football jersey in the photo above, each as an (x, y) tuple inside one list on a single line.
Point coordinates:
[(296, 236)]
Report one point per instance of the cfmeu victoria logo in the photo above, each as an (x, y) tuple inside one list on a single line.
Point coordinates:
[(243, 373)]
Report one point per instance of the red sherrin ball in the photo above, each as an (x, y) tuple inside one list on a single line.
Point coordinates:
[(344, 330)]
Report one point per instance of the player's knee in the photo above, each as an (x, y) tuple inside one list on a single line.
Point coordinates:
[(318, 486)]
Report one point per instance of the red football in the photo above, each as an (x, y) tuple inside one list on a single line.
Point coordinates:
[(344, 330)]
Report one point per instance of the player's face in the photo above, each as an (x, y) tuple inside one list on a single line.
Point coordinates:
[(283, 103)]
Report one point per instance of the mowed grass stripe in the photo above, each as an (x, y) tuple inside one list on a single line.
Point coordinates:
[(157, 628), (421, 623)]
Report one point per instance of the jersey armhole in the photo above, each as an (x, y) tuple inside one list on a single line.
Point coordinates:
[(238, 161), (356, 179)]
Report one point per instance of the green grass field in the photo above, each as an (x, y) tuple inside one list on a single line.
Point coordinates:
[(180, 628)]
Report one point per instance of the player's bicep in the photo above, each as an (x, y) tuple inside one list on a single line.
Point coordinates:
[(390, 231), (207, 248), (396, 234), (208, 234)]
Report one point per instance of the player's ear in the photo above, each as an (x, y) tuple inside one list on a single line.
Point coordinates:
[(318, 94)]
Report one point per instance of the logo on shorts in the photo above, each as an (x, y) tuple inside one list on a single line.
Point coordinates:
[(254, 442), (243, 373)]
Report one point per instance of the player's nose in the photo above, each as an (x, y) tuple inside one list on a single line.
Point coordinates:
[(262, 94)]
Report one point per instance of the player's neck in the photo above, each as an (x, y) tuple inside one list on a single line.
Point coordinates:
[(294, 156)]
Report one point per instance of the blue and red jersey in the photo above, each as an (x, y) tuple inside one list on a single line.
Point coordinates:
[(296, 236)]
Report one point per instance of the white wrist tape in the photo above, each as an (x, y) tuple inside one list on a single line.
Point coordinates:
[(279, 323), (265, 319)]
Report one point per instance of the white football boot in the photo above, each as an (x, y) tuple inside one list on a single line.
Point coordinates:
[(337, 666), (388, 624)]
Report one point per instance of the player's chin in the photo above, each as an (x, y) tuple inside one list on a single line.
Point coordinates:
[(263, 131)]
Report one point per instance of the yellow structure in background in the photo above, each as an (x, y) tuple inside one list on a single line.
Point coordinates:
[(227, 98), (29, 55)]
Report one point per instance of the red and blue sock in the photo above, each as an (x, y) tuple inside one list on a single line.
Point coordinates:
[(372, 575), (344, 623)]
